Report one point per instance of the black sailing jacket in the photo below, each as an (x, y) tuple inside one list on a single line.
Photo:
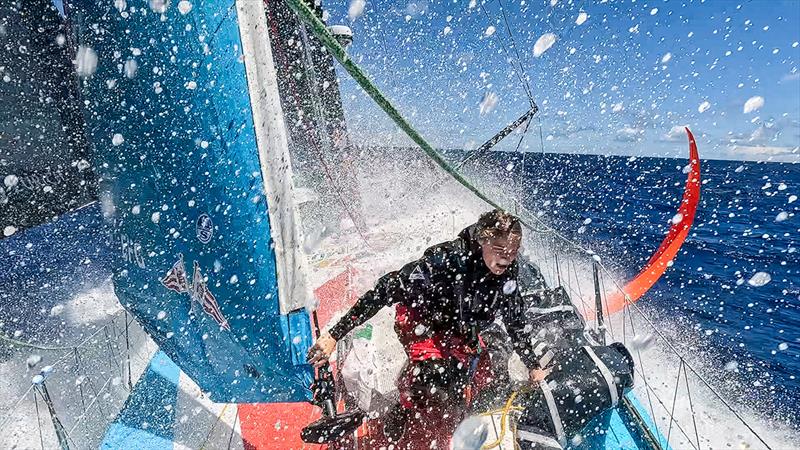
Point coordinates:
[(453, 291)]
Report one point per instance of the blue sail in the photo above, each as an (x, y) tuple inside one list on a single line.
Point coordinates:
[(200, 251)]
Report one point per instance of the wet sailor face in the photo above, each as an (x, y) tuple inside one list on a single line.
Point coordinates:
[(500, 252)]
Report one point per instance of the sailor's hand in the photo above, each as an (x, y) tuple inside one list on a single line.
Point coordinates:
[(319, 353), (538, 375)]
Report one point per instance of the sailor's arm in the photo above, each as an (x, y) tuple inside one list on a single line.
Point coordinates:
[(520, 339), (383, 294), (514, 320), (391, 288)]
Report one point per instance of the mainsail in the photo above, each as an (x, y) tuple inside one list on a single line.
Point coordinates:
[(190, 145)]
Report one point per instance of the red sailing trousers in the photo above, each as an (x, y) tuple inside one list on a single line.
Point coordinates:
[(436, 386)]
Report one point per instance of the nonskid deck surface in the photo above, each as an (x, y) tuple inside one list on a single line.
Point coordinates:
[(277, 425)]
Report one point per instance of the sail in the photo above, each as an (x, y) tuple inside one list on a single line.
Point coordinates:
[(44, 157), (190, 146)]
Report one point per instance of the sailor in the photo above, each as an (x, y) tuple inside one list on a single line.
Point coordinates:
[(443, 302)]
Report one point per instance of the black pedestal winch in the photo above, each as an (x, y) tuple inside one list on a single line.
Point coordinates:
[(332, 426)]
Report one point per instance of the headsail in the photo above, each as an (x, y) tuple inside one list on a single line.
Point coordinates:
[(678, 230)]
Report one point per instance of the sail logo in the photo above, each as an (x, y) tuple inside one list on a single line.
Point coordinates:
[(178, 281), (205, 228), (131, 251)]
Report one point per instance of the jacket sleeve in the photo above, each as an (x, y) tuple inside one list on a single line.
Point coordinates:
[(514, 320), (404, 285)]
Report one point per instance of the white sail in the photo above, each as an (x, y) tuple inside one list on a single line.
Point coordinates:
[(273, 150)]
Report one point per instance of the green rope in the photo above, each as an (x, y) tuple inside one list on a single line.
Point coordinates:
[(329, 41)]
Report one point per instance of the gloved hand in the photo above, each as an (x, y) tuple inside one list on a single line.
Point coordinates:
[(537, 375), (320, 352)]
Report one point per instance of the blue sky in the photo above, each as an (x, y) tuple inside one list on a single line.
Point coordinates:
[(621, 82)]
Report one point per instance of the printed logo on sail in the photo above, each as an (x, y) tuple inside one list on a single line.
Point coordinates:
[(131, 251), (177, 280), (205, 228)]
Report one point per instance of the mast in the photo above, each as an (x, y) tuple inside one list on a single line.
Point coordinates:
[(273, 148), (318, 138)]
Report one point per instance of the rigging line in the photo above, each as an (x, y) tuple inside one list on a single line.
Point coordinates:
[(80, 385), (521, 176), (314, 101), (214, 426), (698, 375), (648, 389), (58, 361), (16, 405), (554, 28), (18, 343), (624, 328), (605, 303), (38, 420), (41, 347), (644, 376), (585, 306), (516, 50), (577, 279), (674, 400), (509, 58), (128, 352), (96, 396), (318, 151), (558, 269), (233, 429), (691, 405)]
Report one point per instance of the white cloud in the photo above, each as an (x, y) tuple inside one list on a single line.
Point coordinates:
[(582, 17), (629, 134), (766, 153), (766, 132), (676, 134)]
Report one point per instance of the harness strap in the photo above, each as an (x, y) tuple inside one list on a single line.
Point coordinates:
[(551, 405), (612, 387)]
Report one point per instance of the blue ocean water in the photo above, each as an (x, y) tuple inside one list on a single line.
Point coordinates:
[(748, 221)]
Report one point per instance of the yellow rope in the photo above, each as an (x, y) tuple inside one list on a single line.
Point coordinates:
[(213, 427), (504, 415)]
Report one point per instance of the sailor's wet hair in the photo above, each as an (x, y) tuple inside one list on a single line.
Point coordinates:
[(497, 223)]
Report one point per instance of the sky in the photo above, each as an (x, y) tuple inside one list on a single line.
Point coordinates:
[(620, 77)]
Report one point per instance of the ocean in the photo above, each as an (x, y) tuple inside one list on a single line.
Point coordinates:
[(747, 223)]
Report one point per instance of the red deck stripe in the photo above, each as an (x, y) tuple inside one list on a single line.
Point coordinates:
[(277, 425)]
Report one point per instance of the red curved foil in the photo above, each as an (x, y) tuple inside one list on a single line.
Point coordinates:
[(677, 233)]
